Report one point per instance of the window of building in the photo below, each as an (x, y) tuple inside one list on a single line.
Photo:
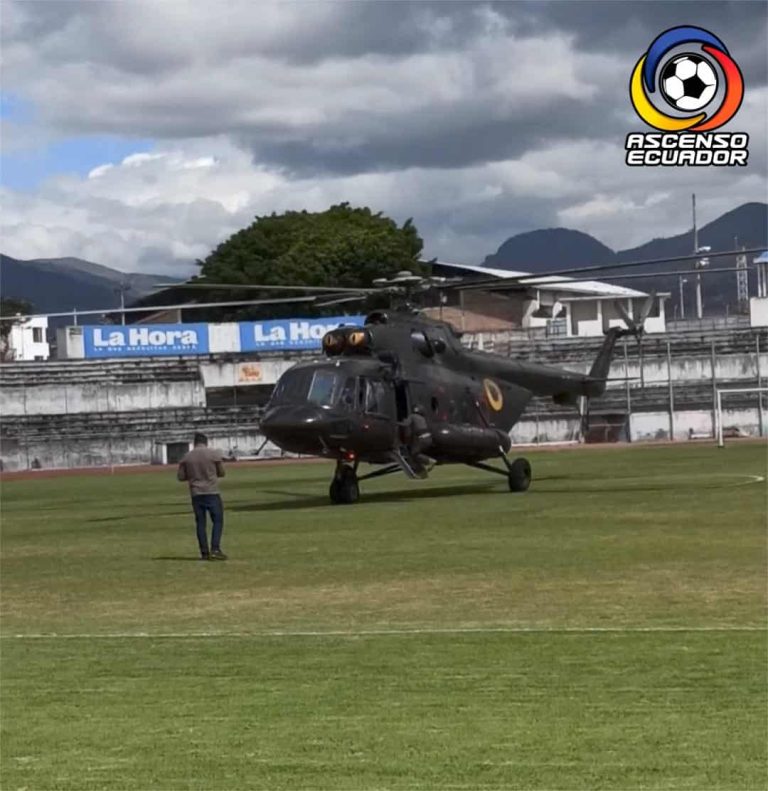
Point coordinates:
[(37, 334)]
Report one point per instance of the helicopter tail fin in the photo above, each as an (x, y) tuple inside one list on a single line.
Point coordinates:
[(598, 373)]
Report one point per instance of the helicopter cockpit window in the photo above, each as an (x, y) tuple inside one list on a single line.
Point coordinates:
[(331, 388), (292, 388), (324, 388)]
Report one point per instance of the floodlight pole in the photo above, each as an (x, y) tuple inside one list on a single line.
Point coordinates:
[(700, 264), (696, 250), (682, 280), (699, 311), (695, 229)]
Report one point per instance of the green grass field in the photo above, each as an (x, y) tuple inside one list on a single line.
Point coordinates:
[(604, 630)]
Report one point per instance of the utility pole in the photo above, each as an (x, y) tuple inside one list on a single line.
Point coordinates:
[(695, 229), (121, 289), (701, 263), (742, 280)]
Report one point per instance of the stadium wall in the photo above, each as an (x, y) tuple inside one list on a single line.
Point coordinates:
[(124, 397), (131, 411), (699, 423), (67, 452)]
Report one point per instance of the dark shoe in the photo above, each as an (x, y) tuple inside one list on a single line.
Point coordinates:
[(217, 554), (205, 556)]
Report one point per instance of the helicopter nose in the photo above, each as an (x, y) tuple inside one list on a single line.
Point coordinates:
[(292, 426), (282, 417)]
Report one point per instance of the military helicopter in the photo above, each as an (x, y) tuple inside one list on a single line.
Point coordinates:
[(403, 393)]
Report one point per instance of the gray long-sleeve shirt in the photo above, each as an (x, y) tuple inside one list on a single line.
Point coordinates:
[(201, 468)]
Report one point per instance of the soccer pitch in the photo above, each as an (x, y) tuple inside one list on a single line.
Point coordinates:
[(604, 630)]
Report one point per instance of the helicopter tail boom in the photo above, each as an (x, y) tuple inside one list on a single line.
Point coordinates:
[(598, 375)]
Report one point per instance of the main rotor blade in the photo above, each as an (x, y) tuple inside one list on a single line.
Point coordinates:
[(640, 275), (632, 276), (530, 278), (651, 261), (338, 301), (257, 287), (243, 303)]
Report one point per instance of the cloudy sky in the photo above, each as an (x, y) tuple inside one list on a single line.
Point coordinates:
[(139, 135)]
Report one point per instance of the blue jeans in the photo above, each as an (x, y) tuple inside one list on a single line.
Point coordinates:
[(203, 504)]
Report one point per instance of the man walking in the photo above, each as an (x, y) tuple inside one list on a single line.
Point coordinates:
[(201, 468)]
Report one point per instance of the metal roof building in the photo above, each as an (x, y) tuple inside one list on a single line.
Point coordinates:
[(551, 305)]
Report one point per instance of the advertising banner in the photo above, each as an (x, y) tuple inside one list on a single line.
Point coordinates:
[(146, 340), (249, 374), (290, 334)]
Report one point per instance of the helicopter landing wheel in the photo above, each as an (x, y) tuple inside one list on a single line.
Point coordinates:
[(519, 476), (344, 489)]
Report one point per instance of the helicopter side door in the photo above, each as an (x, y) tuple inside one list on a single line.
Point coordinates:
[(377, 400), (400, 393)]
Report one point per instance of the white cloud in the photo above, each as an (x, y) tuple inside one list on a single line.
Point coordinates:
[(161, 211), (180, 70), (466, 117)]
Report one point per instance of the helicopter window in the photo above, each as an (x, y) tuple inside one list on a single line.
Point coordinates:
[(362, 392), (292, 388), (324, 388), (347, 396), (376, 399), (421, 343)]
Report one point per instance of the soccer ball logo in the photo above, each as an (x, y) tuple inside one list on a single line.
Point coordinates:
[(686, 81), (689, 82)]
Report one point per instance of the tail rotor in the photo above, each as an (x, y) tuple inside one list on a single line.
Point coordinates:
[(636, 327)]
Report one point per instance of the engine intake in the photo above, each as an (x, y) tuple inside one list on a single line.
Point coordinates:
[(347, 340)]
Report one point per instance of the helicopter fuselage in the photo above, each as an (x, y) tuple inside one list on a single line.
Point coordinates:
[(356, 404)]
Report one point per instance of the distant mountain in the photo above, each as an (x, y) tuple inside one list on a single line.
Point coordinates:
[(560, 248), (53, 285), (548, 247), (748, 224)]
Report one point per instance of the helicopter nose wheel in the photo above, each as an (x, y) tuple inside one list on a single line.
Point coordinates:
[(344, 489), (519, 475)]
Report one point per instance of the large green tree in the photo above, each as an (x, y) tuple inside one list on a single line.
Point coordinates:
[(342, 246)]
